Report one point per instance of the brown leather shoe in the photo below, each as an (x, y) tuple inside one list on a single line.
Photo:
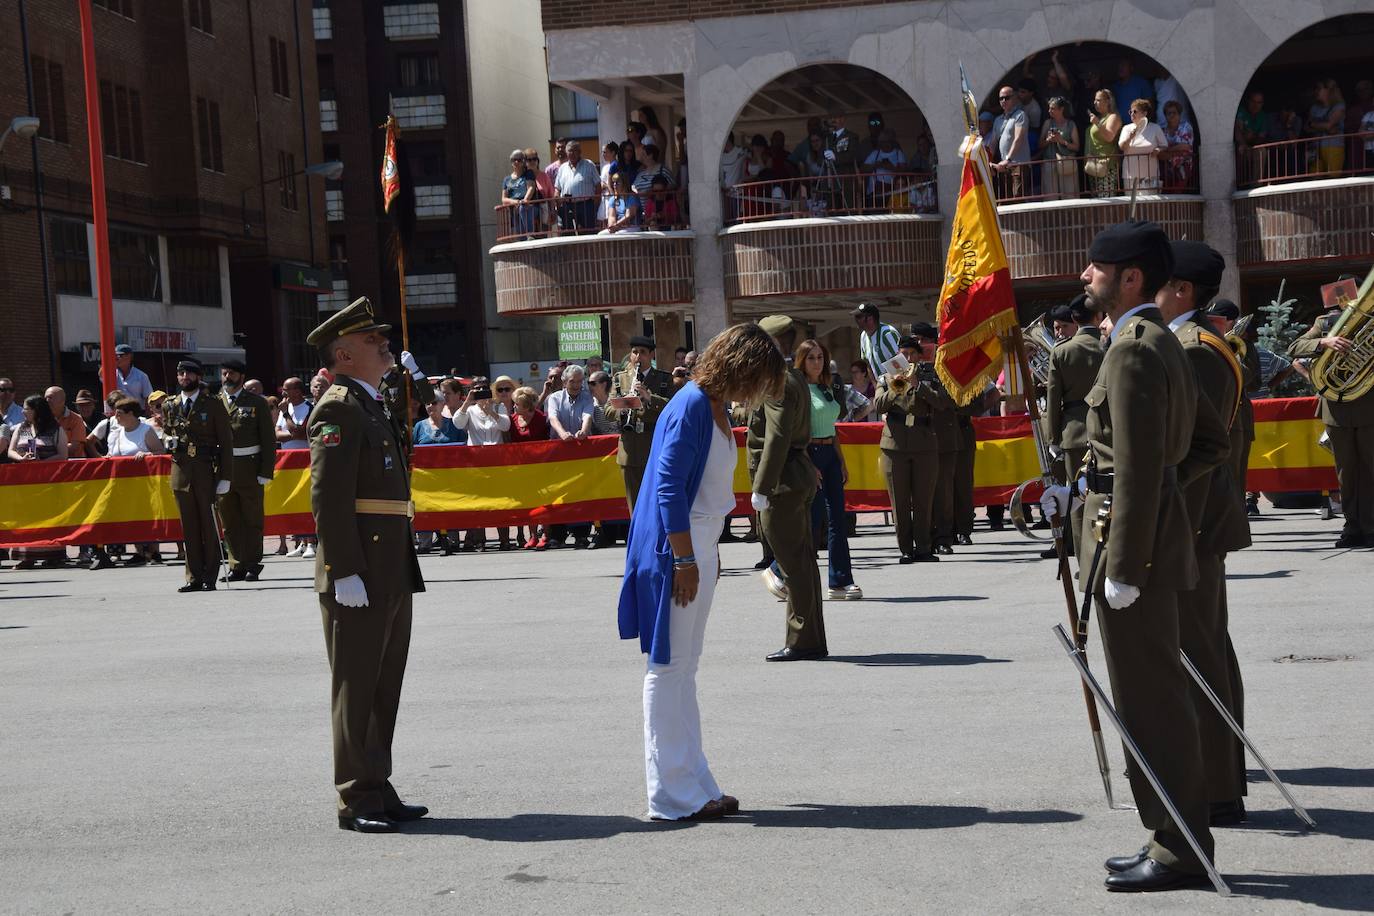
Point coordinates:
[(730, 804), (710, 811)]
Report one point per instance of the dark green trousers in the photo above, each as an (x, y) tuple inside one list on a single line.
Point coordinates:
[(911, 489), (1152, 694), (1203, 634), (241, 511), (963, 490), (787, 525), (198, 529), (634, 476), (367, 647), (942, 510)]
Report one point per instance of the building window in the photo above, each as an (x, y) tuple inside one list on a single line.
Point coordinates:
[(211, 146), (286, 165), (199, 16), (433, 253), (302, 314), (71, 258), (193, 266), (123, 8), (418, 71), (426, 159), (338, 256), (49, 99), (134, 270), (281, 73), (574, 115), (121, 121)]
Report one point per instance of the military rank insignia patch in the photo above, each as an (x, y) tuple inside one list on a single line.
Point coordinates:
[(330, 435)]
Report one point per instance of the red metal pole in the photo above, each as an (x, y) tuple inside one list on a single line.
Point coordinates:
[(103, 291)]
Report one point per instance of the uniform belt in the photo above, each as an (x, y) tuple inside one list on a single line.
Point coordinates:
[(1102, 481), (919, 421), (243, 451), (403, 507), (828, 440)]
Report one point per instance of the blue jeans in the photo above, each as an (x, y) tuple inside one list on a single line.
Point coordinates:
[(826, 458)]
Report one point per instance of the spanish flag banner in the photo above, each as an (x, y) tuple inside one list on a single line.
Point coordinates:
[(391, 173), (118, 500), (976, 304)]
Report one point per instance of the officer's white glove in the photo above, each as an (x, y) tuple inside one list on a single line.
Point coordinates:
[(264, 481), (758, 501), (409, 364), (1056, 452), (829, 155), (1055, 501), (221, 488), (350, 591), (1119, 595)]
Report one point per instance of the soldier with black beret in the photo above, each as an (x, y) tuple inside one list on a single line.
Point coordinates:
[(200, 441), (654, 387), (254, 442), (945, 421)]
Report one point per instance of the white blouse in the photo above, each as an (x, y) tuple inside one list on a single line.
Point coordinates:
[(482, 427)]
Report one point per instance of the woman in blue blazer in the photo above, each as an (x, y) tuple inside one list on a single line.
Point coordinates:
[(672, 562)]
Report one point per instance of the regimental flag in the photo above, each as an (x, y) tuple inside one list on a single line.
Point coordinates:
[(976, 304), (391, 173)]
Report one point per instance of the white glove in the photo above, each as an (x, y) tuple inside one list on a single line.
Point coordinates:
[(221, 488), (830, 155), (1119, 595), (264, 481), (1056, 452), (409, 364), (758, 501), (1055, 501), (350, 591)]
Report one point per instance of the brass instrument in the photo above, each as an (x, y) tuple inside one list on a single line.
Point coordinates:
[(1040, 344), (1340, 376), (899, 383)]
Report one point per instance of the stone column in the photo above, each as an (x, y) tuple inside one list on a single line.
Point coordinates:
[(704, 137), (1217, 174), (611, 117)]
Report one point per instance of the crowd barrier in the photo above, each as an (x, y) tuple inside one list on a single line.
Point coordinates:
[(123, 500)]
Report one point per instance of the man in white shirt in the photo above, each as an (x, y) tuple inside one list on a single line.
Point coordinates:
[(877, 341), (577, 178), (130, 379), (11, 413)]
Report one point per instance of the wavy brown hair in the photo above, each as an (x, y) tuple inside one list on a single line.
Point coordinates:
[(804, 350), (741, 364)]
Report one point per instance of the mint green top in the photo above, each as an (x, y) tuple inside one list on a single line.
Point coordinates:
[(825, 410)]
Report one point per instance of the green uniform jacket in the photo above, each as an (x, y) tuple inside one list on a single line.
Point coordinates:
[(945, 418), (1251, 365), (968, 436), (779, 432), (356, 453), (1073, 370), (1144, 415), (1359, 412), (633, 450), (908, 418), (207, 427), (1216, 510), (250, 423)]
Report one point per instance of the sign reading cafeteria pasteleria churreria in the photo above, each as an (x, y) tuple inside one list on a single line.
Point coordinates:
[(119, 500)]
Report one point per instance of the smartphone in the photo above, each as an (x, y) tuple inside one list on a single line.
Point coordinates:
[(481, 393)]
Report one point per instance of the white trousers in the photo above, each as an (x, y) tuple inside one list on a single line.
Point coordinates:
[(675, 767)]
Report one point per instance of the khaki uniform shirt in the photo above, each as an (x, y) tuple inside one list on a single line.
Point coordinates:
[(908, 418), (637, 426), (1359, 412), (1073, 370), (202, 435), (778, 434), (250, 424)]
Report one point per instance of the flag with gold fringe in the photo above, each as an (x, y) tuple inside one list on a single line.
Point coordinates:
[(976, 304)]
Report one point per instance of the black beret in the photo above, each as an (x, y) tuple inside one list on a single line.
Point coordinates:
[(1082, 308), (639, 340), (234, 364), (1197, 262), (190, 365), (1062, 313), (1136, 240), (1224, 308), (908, 343), (925, 329)]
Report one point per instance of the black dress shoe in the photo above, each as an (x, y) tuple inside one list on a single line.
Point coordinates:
[(1227, 813), (944, 549), (237, 575), (963, 539), (906, 559), (1150, 875), (1351, 540), (208, 585), (192, 586), (1118, 864), (367, 823), (134, 559), (789, 654), (764, 563), (1049, 553), (252, 575), (101, 562), (404, 812), (926, 558)]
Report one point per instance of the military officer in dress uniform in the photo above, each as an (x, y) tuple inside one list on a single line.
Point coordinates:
[(366, 570), (1350, 425), (909, 453), (254, 461), (653, 387), (200, 441), (421, 391), (784, 484), (1145, 443), (945, 421), (1216, 508), (1073, 370)]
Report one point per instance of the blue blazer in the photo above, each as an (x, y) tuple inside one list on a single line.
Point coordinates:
[(677, 460)]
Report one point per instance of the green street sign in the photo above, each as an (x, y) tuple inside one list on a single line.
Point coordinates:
[(579, 336)]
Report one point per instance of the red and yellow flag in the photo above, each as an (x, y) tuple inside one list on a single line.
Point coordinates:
[(976, 303), (391, 173)]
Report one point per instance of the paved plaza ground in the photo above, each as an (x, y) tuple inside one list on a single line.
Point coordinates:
[(171, 754)]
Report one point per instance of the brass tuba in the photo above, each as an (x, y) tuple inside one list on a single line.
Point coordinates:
[(1346, 376), (1040, 343)]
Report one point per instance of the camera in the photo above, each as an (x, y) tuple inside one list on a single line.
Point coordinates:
[(481, 393)]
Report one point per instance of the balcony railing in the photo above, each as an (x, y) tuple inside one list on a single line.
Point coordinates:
[(1078, 177), (831, 195), (1305, 159), (656, 210)]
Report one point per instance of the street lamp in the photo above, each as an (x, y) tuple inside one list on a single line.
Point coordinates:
[(25, 127), (330, 171)]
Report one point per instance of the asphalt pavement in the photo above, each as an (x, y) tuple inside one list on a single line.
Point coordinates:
[(171, 754)]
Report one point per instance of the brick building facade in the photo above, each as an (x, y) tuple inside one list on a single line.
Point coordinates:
[(205, 105)]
